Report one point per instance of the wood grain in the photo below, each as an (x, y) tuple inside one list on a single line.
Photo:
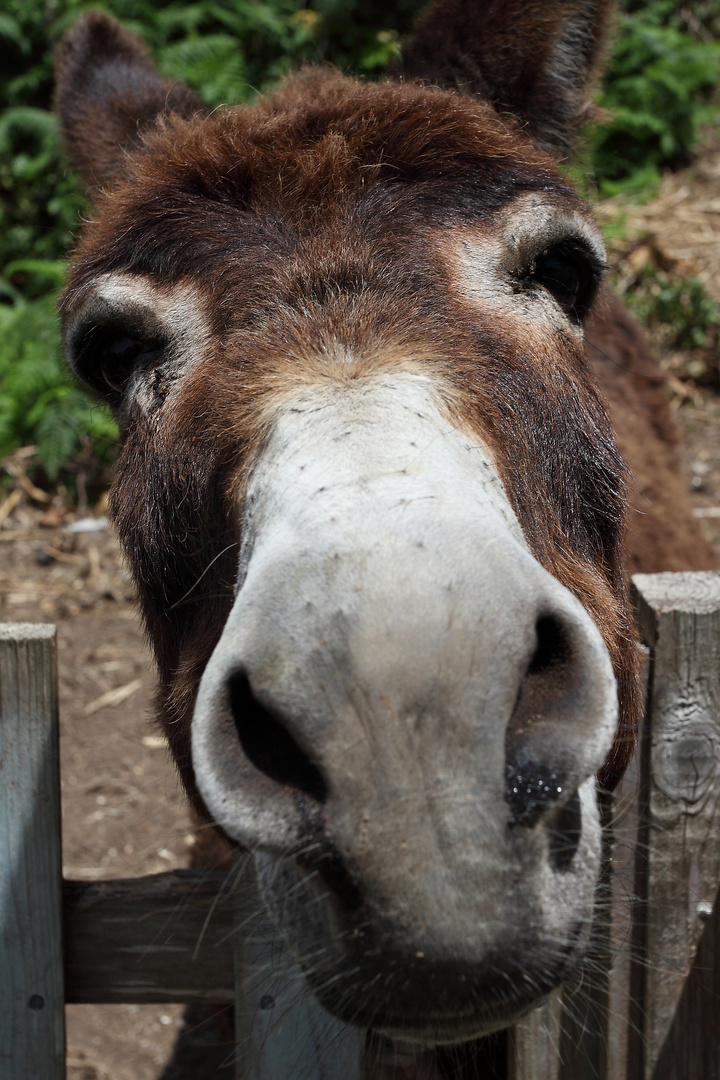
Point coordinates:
[(628, 835), (193, 936), (281, 1030), (32, 1019), (534, 1043), (166, 937), (680, 618)]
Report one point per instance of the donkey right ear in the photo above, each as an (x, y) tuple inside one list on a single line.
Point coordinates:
[(535, 59), (108, 92)]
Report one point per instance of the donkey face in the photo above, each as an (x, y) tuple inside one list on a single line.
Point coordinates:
[(369, 494)]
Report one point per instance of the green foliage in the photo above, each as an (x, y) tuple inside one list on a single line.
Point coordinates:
[(662, 66), (39, 403), (226, 50), (662, 70), (687, 315)]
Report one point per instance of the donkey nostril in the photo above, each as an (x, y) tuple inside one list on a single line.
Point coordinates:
[(565, 832), (552, 648), (536, 760), (529, 790), (268, 744)]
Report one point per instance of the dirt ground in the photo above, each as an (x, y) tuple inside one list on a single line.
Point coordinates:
[(123, 811)]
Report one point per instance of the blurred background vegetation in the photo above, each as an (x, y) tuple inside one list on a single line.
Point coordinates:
[(659, 92)]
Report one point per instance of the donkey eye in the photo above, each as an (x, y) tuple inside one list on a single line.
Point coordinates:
[(106, 357), (568, 274), (116, 360)]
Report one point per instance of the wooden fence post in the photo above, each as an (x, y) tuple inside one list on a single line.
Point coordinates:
[(652, 1016), (581, 1031), (281, 1031), (626, 835), (32, 1006), (678, 851), (534, 1042)]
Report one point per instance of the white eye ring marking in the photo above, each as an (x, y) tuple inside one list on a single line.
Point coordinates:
[(492, 265), (122, 301)]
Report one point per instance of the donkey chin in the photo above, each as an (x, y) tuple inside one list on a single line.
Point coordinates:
[(402, 720)]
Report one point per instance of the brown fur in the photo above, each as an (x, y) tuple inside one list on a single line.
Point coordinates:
[(317, 231), (662, 532), (265, 172), (505, 52), (308, 225), (116, 99)]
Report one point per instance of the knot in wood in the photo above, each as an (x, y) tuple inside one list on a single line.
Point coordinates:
[(685, 759)]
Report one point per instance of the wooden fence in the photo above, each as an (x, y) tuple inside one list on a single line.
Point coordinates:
[(646, 1008)]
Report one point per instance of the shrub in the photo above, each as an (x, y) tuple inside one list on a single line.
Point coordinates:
[(662, 66), (657, 89), (39, 403), (682, 318)]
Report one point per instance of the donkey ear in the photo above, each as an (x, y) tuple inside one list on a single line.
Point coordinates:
[(108, 92), (535, 59)]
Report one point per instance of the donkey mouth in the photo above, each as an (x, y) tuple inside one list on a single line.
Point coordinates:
[(452, 1003)]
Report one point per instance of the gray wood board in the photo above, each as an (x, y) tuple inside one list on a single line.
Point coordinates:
[(32, 1019), (165, 937), (680, 618), (534, 1042), (281, 1030)]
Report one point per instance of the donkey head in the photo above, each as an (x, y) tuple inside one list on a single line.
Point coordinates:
[(369, 492)]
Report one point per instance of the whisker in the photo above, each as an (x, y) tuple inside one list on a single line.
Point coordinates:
[(205, 571)]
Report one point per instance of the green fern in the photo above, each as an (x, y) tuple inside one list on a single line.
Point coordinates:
[(658, 91), (39, 403), (11, 31), (213, 65)]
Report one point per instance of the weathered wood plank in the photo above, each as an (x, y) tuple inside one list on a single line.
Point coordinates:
[(680, 619), (691, 1050), (580, 1032), (32, 1020), (281, 1031), (622, 894), (627, 835), (534, 1043), (583, 1037), (584, 1031), (165, 937), (173, 937)]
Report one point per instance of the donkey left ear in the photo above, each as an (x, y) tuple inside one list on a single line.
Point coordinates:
[(108, 92), (535, 59)]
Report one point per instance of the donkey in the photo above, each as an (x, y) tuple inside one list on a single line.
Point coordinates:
[(369, 490)]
